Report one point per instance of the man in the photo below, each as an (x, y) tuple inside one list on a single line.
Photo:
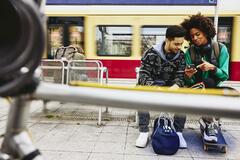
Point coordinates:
[(211, 67), (163, 65)]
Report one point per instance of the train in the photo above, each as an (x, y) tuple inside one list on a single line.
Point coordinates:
[(118, 34)]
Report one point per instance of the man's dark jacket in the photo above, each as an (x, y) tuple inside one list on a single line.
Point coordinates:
[(160, 69)]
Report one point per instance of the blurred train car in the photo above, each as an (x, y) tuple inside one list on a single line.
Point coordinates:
[(118, 35)]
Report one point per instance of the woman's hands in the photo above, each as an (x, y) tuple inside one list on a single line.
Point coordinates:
[(206, 66)]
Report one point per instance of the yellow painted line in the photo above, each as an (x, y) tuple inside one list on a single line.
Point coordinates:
[(220, 92)]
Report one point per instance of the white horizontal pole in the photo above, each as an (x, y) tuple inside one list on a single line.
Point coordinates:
[(200, 104)]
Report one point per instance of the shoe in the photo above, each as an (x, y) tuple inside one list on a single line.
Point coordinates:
[(210, 132), (202, 124), (182, 141), (142, 140)]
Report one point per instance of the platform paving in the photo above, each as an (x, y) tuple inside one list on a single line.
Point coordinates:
[(68, 131)]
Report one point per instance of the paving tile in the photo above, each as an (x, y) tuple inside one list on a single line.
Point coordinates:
[(133, 129), (73, 156), (140, 157), (132, 149), (112, 137), (116, 123), (109, 147), (216, 158), (173, 157), (50, 155), (3, 125), (79, 146), (131, 137), (106, 156), (39, 130), (89, 128), (115, 129), (183, 153), (84, 137)]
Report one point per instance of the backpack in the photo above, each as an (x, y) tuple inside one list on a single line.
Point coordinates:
[(165, 140), (214, 55), (69, 53)]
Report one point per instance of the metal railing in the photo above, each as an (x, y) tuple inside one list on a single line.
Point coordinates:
[(224, 104), (94, 71), (75, 70), (52, 71)]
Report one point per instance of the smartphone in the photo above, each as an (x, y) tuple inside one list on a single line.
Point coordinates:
[(191, 66)]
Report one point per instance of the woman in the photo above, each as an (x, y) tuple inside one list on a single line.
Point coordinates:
[(204, 63)]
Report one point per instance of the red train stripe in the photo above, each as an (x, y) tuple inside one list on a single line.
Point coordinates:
[(235, 71), (121, 68), (126, 69)]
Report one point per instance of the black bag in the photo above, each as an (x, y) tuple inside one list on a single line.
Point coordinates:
[(165, 140)]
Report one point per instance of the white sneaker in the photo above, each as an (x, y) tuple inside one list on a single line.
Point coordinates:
[(182, 141), (142, 140), (210, 133)]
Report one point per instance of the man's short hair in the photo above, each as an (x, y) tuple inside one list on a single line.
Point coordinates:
[(175, 31)]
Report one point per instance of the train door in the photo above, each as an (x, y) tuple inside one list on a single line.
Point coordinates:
[(224, 35)]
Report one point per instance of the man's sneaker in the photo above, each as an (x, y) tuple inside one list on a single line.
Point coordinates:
[(142, 140), (182, 141), (210, 132)]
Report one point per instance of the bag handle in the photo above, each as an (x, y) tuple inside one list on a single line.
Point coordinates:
[(166, 117)]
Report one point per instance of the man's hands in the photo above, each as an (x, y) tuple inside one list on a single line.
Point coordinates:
[(189, 72)]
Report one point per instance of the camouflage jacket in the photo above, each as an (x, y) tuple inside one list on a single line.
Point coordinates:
[(161, 71)]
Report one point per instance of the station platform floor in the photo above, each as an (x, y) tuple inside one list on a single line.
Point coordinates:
[(68, 131)]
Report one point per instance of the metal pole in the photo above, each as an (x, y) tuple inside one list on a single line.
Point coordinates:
[(16, 123), (17, 142), (216, 20), (201, 104)]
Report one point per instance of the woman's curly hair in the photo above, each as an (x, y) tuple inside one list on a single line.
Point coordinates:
[(200, 22)]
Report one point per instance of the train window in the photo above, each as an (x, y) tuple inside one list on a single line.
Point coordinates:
[(64, 31), (152, 35), (113, 40), (224, 35)]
